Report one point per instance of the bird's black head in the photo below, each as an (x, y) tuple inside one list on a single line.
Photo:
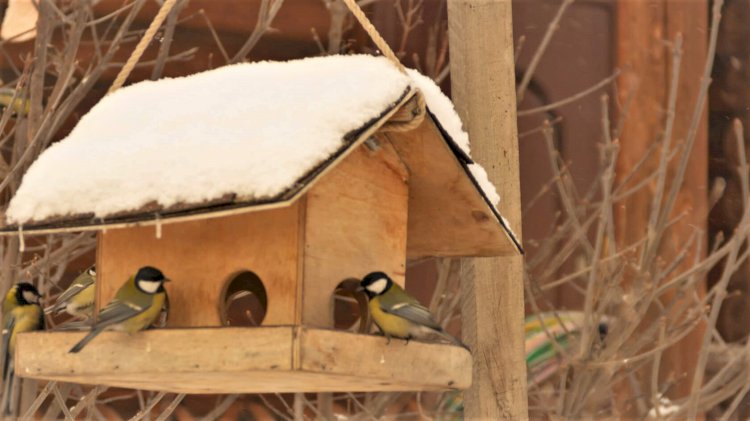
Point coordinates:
[(150, 280), (376, 283), (27, 294)]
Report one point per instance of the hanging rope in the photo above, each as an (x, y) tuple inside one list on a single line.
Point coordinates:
[(416, 115), (410, 116), (375, 36), (166, 7)]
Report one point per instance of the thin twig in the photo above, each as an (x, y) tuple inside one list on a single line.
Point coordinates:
[(551, 29)]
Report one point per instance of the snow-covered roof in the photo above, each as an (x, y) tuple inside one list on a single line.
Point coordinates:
[(245, 133)]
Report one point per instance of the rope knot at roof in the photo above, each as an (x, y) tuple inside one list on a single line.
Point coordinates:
[(408, 117)]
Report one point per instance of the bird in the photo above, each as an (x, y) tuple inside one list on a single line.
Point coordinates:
[(136, 305), (398, 314), (18, 102), (21, 313), (78, 299)]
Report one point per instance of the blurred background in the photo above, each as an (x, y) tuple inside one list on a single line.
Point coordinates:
[(631, 117)]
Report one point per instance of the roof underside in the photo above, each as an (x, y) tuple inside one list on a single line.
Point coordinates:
[(451, 209)]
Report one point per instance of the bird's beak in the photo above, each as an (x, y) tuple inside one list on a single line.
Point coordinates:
[(167, 280)]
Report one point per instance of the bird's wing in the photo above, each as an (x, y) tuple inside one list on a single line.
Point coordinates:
[(68, 294), (75, 289), (118, 311), (404, 305), (8, 325), (75, 325), (412, 311), (115, 312)]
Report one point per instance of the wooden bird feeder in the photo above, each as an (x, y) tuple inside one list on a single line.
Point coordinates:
[(395, 188)]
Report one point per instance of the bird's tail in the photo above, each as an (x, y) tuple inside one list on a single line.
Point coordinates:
[(10, 397), (447, 336), (55, 308), (91, 335), (7, 363)]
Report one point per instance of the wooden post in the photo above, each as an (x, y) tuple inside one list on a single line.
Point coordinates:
[(483, 86), (642, 28)]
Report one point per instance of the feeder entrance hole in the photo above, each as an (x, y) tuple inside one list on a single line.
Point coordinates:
[(244, 301), (349, 307)]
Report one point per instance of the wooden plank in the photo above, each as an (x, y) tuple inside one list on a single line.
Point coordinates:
[(247, 382), (483, 86), (200, 256), (155, 354), (689, 18), (356, 220), (642, 28), (447, 214), (324, 351), (253, 360)]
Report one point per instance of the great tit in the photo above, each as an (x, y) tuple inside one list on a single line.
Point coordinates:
[(136, 305), (11, 300), (398, 314), (21, 313), (19, 105), (78, 299)]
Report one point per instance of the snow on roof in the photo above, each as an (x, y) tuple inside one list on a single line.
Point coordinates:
[(442, 108), (263, 126)]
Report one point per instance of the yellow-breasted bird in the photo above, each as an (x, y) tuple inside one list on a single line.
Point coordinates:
[(19, 105), (136, 305), (21, 313), (398, 314), (78, 299), (10, 301)]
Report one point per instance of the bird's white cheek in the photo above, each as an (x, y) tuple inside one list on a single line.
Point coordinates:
[(149, 287), (378, 286), (30, 297)]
